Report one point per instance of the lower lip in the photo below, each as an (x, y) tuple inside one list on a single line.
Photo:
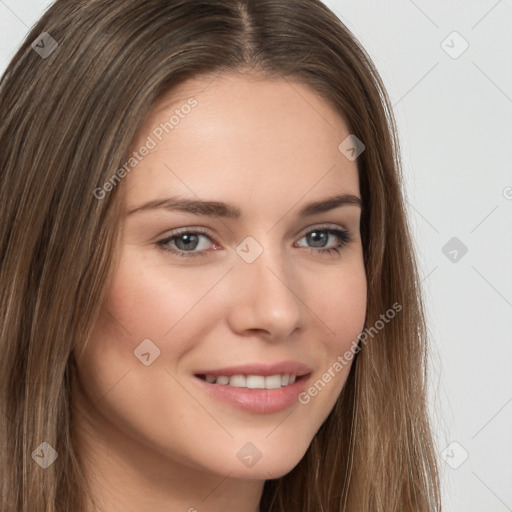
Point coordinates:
[(261, 401)]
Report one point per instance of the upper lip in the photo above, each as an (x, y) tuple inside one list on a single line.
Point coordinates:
[(284, 367)]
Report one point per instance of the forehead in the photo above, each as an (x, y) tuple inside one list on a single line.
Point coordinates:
[(241, 136)]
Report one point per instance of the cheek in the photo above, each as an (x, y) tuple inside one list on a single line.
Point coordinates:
[(149, 300), (341, 305), (141, 301), (341, 308), (136, 308), (141, 305)]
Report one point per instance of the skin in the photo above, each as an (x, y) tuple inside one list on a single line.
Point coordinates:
[(150, 437)]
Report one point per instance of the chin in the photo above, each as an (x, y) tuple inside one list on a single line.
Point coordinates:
[(272, 463)]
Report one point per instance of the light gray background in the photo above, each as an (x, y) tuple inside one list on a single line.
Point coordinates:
[(455, 121)]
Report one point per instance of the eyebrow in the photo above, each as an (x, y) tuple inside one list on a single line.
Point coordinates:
[(220, 209)]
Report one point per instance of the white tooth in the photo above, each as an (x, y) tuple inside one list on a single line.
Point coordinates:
[(238, 381), (273, 381), (255, 382)]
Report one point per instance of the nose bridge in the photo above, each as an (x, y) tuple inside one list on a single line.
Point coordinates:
[(266, 299)]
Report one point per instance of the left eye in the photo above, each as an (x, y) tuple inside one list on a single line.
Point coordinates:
[(319, 237), (195, 243)]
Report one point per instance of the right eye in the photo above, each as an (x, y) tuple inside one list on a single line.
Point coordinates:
[(186, 243)]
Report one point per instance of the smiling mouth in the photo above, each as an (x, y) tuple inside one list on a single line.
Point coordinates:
[(253, 381)]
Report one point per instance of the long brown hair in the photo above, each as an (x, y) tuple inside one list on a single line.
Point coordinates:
[(70, 111)]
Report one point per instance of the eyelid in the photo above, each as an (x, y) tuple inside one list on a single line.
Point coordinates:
[(188, 229), (321, 226)]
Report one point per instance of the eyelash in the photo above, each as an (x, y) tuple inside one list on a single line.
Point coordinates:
[(343, 235)]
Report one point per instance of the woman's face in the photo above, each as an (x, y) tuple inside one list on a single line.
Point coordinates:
[(227, 262)]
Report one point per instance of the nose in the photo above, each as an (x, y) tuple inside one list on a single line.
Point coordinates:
[(266, 298)]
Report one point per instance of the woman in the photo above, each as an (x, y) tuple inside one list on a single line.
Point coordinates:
[(210, 299)]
